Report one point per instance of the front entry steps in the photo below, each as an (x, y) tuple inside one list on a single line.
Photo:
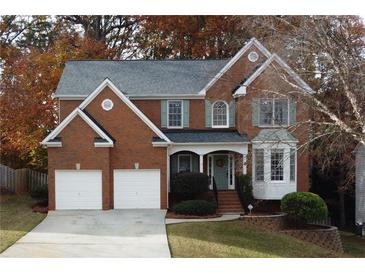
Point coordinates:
[(228, 202)]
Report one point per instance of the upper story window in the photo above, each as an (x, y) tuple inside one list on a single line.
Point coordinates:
[(174, 114), (274, 112), (220, 114)]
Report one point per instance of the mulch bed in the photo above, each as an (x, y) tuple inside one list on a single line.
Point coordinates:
[(173, 215), (41, 207)]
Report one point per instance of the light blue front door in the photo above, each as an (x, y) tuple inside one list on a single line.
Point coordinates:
[(220, 167)]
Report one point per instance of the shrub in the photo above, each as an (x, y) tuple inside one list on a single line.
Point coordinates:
[(304, 207), (195, 207), (40, 192), (189, 185), (244, 190)]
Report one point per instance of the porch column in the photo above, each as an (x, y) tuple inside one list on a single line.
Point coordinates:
[(201, 164), (244, 164)]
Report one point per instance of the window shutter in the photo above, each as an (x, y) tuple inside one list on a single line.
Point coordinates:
[(255, 108), (208, 114), (292, 111), (186, 118), (232, 113), (163, 113)]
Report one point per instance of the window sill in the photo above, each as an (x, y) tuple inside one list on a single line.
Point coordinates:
[(273, 126), (175, 127), (220, 126)]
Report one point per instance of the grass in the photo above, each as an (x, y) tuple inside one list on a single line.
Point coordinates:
[(353, 245), (236, 240), (16, 219)]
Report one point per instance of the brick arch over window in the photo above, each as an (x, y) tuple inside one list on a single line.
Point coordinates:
[(220, 114)]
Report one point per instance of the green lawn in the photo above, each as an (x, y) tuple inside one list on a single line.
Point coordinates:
[(16, 219), (235, 239), (353, 245)]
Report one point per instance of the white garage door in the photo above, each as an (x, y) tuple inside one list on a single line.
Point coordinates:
[(137, 188), (78, 189)]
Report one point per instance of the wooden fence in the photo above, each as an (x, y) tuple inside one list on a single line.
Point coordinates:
[(21, 180)]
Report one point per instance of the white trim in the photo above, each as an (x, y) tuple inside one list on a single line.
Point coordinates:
[(132, 106), (182, 114), (141, 97), (190, 161), (264, 66), (160, 144), (200, 149), (227, 115), (234, 59), (68, 119), (53, 144), (102, 144)]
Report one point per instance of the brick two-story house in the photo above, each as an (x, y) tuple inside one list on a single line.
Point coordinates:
[(126, 127)]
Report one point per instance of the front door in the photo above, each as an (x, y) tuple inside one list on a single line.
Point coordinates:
[(220, 167)]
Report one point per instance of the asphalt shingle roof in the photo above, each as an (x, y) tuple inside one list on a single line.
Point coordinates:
[(139, 77), (274, 135), (205, 136)]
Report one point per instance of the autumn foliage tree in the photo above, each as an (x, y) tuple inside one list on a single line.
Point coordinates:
[(28, 111)]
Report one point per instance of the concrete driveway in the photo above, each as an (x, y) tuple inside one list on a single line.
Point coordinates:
[(95, 233)]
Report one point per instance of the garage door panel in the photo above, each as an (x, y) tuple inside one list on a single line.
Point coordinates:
[(78, 189), (137, 188)]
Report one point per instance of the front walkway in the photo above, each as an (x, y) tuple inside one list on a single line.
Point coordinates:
[(95, 233)]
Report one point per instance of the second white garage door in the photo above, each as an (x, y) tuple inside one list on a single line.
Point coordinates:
[(136, 188)]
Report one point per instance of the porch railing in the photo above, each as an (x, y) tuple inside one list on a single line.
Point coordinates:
[(215, 190)]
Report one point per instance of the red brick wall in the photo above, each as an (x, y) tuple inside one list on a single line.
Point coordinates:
[(67, 106), (133, 139), (78, 147), (264, 87)]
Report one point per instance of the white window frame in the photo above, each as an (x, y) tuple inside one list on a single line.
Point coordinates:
[(273, 112), (178, 161), (267, 147), (227, 115), (295, 165), (168, 113), (254, 164), (281, 150)]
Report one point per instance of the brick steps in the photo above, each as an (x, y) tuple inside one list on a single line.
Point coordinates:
[(228, 201)]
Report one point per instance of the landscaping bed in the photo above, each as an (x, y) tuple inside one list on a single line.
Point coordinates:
[(173, 215)]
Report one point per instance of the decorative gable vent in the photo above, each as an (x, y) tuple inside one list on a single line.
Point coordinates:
[(253, 56)]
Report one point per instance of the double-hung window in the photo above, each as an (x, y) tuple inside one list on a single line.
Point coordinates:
[(259, 164), (274, 112), (292, 164), (174, 114), (277, 165)]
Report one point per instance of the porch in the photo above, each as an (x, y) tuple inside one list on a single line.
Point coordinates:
[(222, 155)]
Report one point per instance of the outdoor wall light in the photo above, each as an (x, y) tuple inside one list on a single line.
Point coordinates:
[(78, 166), (136, 165)]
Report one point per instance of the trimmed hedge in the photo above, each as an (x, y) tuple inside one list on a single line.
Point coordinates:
[(304, 207), (189, 185), (195, 207)]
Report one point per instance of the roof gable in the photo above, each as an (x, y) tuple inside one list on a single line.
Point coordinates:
[(233, 60), (128, 102), (273, 58), (77, 112)]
